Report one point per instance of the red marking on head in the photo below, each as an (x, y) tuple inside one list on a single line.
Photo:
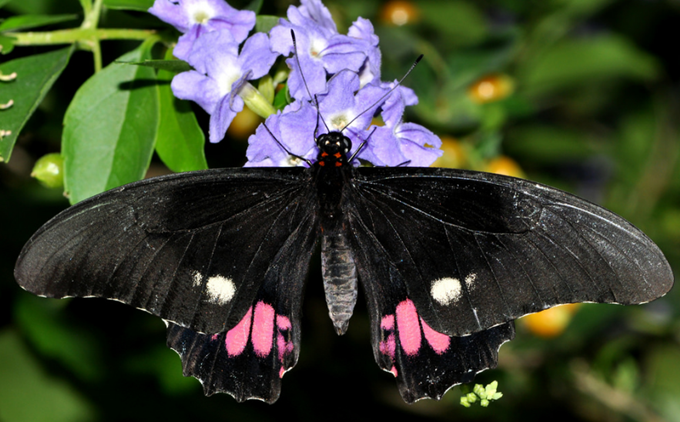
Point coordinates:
[(338, 164), (322, 163), (263, 329), (409, 327), (337, 155), (439, 342), (324, 154), (237, 337)]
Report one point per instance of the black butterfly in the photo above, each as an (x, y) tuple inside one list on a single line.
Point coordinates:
[(447, 259)]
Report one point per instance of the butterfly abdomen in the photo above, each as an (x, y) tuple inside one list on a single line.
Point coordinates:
[(339, 278)]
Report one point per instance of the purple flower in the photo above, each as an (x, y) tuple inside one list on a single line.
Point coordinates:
[(370, 71), (344, 108), (321, 50), (221, 75), (399, 143), (196, 17)]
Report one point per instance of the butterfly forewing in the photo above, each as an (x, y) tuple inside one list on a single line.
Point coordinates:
[(192, 248), (477, 250)]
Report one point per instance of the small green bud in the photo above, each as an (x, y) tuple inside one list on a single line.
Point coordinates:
[(256, 101), (266, 87), (471, 397), (464, 401), (484, 403), (491, 388), (49, 170)]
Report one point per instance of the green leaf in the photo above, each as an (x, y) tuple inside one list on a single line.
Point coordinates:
[(460, 23), (44, 324), (175, 66), (29, 393), (549, 144), (35, 76), (572, 63), (180, 142), (4, 2), (6, 44), (22, 22), (264, 23), (110, 128), (139, 5), (254, 5), (282, 98)]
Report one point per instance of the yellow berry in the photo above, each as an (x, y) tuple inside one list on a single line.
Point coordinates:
[(551, 322), (506, 166), (454, 154), (491, 88), (399, 12), (244, 124)]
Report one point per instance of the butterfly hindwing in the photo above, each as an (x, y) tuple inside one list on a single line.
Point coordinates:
[(425, 363), (249, 360), (477, 250), (192, 248)]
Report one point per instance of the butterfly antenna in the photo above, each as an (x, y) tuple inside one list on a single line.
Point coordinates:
[(283, 147), (304, 81), (361, 146), (387, 94)]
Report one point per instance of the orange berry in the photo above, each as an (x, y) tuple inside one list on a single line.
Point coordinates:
[(551, 322), (491, 88), (505, 165), (399, 12), (454, 154), (244, 124)]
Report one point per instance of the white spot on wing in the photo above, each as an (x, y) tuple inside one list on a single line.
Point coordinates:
[(446, 290), (469, 280), (198, 278), (219, 289)]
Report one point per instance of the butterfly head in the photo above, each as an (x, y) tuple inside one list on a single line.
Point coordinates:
[(333, 149)]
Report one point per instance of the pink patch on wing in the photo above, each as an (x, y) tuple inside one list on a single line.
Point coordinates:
[(282, 344), (283, 322), (214, 337), (263, 329), (394, 371), (237, 337), (439, 342), (389, 346), (409, 327), (387, 322)]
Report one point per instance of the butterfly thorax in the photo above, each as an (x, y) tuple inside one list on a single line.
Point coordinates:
[(339, 271), (333, 149)]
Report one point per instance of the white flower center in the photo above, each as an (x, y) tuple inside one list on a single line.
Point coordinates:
[(227, 77), (338, 122), (316, 46), (200, 13)]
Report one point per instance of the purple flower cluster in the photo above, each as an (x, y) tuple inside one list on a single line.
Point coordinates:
[(340, 72)]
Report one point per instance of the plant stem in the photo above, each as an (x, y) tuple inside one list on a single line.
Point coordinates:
[(70, 36)]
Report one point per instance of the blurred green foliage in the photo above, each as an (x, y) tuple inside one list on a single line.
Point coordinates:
[(593, 110)]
